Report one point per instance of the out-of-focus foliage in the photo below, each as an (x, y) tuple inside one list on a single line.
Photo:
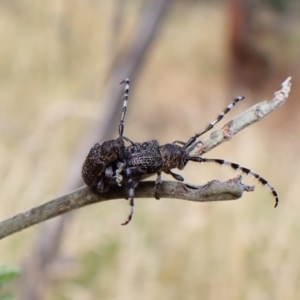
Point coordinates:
[(279, 5), (7, 274)]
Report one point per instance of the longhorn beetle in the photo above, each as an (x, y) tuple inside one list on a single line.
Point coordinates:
[(141, 160)]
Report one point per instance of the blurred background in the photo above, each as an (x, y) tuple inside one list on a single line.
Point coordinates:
[(60, 67)]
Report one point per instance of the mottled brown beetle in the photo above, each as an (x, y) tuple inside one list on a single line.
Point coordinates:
[(113, 161)]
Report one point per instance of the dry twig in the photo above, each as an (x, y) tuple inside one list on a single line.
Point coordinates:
[(213, 191)]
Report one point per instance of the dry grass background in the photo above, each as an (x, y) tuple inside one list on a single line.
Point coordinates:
[(54, 57)]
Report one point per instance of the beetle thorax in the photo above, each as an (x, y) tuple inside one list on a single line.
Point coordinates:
[(173, 156)]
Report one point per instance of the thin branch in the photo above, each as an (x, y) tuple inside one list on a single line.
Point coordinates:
[(213, 191), (249, 117)]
